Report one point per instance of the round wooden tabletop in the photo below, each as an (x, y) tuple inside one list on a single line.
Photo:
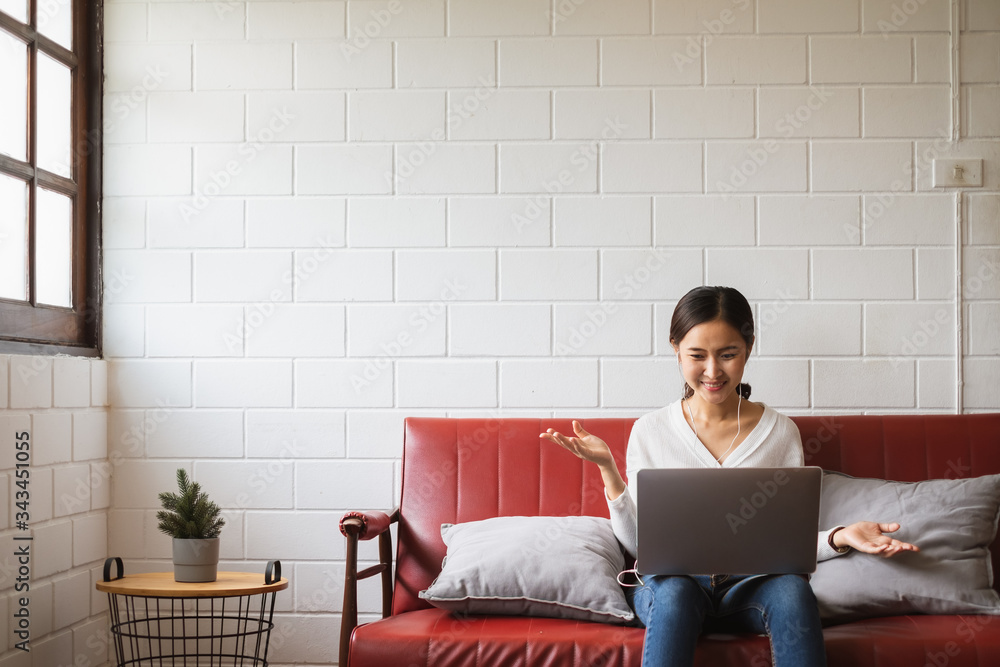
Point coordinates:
[(162, 585)]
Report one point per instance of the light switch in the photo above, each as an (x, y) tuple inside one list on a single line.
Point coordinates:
[(966, 173)]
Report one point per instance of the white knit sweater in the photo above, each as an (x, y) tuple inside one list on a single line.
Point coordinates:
[(663, 439)]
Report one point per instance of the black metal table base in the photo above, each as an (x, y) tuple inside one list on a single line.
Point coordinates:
[(191, 632)]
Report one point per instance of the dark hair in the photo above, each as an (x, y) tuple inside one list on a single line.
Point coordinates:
[(707, 304)]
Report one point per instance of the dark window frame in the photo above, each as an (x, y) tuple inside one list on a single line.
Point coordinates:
[(29, 327)]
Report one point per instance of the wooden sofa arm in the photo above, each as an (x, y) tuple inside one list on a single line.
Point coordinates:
[(364, 526)]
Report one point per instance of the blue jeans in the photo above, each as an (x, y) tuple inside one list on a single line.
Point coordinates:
[(675, 609)]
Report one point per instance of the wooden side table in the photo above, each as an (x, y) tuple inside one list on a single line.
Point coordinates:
[(158, 621)]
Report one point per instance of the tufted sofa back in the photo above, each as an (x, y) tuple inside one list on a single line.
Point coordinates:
[(457, 470)]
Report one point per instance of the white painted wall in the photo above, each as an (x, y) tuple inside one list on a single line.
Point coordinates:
[(476, 207), (61, 404)]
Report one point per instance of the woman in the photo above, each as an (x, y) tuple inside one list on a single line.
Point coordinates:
[(714, 425)]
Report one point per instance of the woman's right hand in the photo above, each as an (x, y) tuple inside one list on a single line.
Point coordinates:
[(585, 445), (591, 448)]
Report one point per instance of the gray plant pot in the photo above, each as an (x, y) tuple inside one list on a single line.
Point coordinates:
[(196, 561)]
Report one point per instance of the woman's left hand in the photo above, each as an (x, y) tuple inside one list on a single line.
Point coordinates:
[(870, 537)]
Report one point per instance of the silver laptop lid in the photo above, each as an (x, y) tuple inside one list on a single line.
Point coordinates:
[(728, 520)]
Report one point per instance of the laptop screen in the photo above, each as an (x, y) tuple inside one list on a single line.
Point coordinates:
[(728, 520)]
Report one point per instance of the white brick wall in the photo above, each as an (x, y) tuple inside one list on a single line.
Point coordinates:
[(704, 113), (756, 60), (147, 169), (693, 18), (122, 225), (394, 223), (778, 16), (757, 166), (704, 220), (195, 117), (422, 168), (548, 62), (173, 223), (322, 217), (810, 220), (777, 272), (581, 114), (861, 166), (604, 221), (395, 116), (645, 62), (864, 59), (256, 384), (59, 405), (622, 329), (634, 167), (492, 114)]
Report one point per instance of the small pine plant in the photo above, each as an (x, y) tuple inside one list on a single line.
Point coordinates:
[(189, 514)]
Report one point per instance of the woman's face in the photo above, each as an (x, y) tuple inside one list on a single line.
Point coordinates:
[(712, 356)]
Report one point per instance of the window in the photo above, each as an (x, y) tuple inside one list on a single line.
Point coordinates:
[(50, 178)]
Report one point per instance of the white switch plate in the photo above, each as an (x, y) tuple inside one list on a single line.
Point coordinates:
[(958, 173)]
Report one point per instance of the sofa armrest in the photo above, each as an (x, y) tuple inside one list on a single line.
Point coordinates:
[(364, 526)]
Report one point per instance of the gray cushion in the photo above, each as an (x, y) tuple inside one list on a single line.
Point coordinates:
[(564, 567), (952, 521)]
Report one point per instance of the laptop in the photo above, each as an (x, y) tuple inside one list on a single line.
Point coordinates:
[(728, 520)]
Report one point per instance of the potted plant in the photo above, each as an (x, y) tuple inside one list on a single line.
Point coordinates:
[(195, 523)]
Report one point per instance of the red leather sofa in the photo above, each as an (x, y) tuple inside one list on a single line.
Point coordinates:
[(457, 470)]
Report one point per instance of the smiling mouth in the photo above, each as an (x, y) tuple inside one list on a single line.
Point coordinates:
[(713, 386)]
